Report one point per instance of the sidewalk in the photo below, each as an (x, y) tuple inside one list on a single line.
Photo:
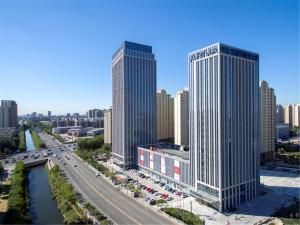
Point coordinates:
[(250, 213)]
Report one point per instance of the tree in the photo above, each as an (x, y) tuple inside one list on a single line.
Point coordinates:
[(1, 168)]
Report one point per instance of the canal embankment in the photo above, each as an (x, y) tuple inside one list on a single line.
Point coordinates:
[(18, 198), (65, 196)]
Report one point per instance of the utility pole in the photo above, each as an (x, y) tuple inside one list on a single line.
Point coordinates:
[(191, 206)]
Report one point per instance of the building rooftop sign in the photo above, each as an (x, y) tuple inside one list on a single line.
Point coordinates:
[(205, 52)]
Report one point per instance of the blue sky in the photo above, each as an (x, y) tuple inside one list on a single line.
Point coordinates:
[(56, 54)]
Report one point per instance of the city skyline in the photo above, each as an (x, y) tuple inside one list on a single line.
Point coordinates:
[(43, 56)]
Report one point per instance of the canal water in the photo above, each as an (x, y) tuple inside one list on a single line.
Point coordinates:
[(42, 208), (29, 142)]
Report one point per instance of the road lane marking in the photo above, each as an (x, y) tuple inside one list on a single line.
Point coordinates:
[(120, 210)]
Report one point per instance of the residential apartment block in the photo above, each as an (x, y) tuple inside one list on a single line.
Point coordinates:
[(181, 118), (107, 126), (267, 123), (164, 116)]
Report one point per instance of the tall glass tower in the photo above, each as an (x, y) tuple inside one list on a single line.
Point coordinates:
[(224, 124), (134, 101)]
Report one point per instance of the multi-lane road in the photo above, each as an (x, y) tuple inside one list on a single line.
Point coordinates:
[(115, 204)]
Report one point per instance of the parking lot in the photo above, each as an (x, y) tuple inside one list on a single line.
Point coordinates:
[(153, 190)]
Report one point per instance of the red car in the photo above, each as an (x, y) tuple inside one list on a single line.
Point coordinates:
[(164, 196), (149, 189)]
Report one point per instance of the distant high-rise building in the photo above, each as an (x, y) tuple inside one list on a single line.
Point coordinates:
[(68, 115), (107, 126), (76, 115), (164, 116), (181, 118), (94, 113), (8, 114), (279, 114), (33, 115), (296, 115), (40, 115), (49, 113), (98, 113), (267, 122), (89, 113), (134, 101), (288, 115), (224, 124)]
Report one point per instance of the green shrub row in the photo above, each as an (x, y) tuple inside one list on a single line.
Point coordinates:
[(18, 199), (160, 201), (94, 212), (22, 145), (65, 197), (37, 141), (290, 213), (183, 215), (90, 143), (58, 137), (87, 156), (292, 158)]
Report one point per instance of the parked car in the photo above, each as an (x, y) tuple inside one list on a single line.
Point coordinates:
[(164, 196), (152, 202), (147, 199)]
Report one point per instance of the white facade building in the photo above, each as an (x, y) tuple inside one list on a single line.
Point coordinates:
[(107, 126), (224, 124), (181, 118)]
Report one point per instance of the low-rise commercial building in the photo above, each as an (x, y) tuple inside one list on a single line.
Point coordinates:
[(164, 162), (63, 130), (77, 132), (96, 131)]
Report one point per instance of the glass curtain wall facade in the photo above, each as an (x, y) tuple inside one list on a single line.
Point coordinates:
[(224, 124), (134, 101)]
